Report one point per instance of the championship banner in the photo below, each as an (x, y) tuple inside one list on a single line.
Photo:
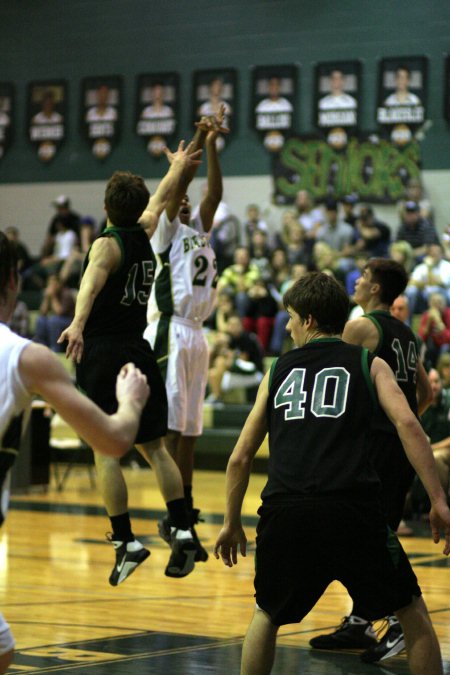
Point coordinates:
[(157, 110), (212, 89), (6, 115), (47, 117), (402, 87), (274, 94), (376, 169), (100, 113)]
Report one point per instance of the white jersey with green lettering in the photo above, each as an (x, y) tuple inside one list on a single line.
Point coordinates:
[(186, 272)]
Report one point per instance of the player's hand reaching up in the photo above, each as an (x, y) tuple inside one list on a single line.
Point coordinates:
[(73, 335), (132, 386), (186, 157)]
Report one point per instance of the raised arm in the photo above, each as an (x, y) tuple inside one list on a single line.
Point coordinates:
[(210, 202), (104, 258), (238, 473), (415, 444), (181, 163), (113, 435)]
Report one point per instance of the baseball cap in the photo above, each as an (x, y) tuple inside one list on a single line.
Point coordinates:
[(331, 204), (412, 206), (61, 200)]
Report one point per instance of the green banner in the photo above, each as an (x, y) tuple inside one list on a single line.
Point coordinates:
[(374, 168)]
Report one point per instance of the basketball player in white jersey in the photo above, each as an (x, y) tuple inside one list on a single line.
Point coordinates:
[(27, 369), (182, 298)]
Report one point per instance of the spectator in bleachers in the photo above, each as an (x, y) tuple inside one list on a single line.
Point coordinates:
[(348, 209), (402, 252), (23, 256), (236, 361), (292, 239), (309, 215), (373, 236), (337, 234), (261, 311), (55, 313), (260, 253), (434, 327), (71, 268), (326, 259), (225, 307), (239, 277), (280, 267), (225, 233), (416, 230), (430, 276), (353, 275), (64, 213), (253, 223)]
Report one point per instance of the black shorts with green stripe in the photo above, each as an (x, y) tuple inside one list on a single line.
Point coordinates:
[(97, 373), (305, 543)]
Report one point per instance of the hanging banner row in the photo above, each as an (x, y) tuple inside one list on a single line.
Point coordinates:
[(337, 104)]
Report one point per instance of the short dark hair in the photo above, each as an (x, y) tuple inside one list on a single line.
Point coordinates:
[(321, 296), (8, 262), (126, 197), (391, 276)]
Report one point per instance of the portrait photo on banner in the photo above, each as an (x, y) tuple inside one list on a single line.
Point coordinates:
[(157, 109), (402, 95), (212, 89), (6, 115), (337, 100), (46, 116), (274, 103), (100, 112)]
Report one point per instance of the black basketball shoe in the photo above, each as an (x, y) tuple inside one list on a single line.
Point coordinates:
[(353, 633)]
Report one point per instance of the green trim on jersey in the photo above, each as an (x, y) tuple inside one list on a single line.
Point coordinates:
[(161, 348), (272, 369), (323, 339), (163, 284), (366, 371), (379, 329)]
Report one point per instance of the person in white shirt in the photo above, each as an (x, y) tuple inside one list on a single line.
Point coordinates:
[(402, 95), (337, 99), (30, 369), (430, 276), (215, 102), (182, 298), (157, 109)]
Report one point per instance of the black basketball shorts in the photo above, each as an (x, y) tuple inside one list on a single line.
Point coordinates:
[(97, 373), (303, 546)]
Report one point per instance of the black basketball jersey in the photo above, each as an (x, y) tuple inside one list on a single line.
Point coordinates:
[(398, 347), (321, 400), (121, 306)]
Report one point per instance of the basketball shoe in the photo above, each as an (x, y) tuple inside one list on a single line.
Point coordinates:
[(129, 554), (391, 643), (353, 633)]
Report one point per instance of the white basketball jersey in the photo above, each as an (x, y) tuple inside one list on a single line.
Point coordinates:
[(186, 272), (14, 398)]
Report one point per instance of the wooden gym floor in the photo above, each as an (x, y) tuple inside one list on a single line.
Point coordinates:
[(55, 594)]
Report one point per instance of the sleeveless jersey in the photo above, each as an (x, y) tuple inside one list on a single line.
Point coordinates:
[(321, 398), (120, 307), (186, 273), (398, 347), (14, 398)]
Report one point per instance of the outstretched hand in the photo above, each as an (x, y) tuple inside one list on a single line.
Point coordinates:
[(213, 125), (227, 544), (186, 157), (440, 520)]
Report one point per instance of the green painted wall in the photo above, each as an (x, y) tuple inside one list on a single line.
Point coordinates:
[(72, 39)]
